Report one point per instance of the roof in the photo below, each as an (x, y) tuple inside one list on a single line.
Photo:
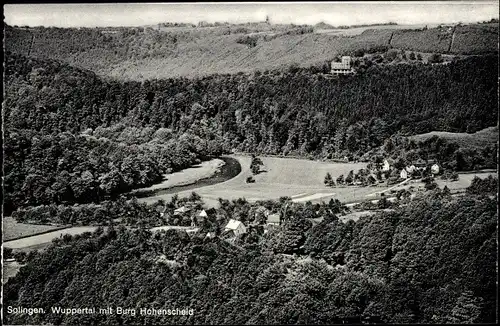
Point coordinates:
[(203, 213), (182, 209), (234, 224), (273, 218), (419, 162)]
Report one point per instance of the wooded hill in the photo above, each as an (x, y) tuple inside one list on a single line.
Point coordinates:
[(432, 261), (146, 53), (295, 111)]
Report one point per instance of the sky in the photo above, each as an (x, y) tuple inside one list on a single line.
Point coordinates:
[(334, 13)]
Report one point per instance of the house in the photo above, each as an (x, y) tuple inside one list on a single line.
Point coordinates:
[(410, 169), (181, 210), (162, 210), (343, 67), (435, 168), (210, 235), (203, 213), (420, 164), (235, 226), (273, 219), (386, 166), (403, 174)]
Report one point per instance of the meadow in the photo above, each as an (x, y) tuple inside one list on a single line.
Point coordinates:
[(14, 230), (480, 139)]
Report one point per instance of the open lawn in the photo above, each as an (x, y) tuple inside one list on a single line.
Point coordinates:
[(300, 179), (13, 230), (480, 139)]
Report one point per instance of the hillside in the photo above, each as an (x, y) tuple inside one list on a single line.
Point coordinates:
[(436, 255), (479, 139), (135, 132), (146, 53)]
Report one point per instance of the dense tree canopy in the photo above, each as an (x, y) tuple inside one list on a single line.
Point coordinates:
[(392, 267)]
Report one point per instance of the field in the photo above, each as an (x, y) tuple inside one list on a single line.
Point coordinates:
[(194, 52), (300, 179), (358, 30), (480, 139), (14, 230), (187, 176)]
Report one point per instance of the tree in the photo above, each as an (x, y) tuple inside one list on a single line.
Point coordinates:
[(255, 164), (329, 180), (412, 56), (467, 309), (419, 57)]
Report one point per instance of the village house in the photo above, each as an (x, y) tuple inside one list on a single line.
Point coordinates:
[(420, 164), (273, 219), (237, 227), (403, 174), (410, 169), (343, 67), (435, 168), (386, 166)]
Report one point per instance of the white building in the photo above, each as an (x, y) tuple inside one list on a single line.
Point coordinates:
[(273, 219), (343, 67), (403, 174), (435, 169), (236, 226)]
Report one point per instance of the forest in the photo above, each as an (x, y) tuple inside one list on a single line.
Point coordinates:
[(143, 53), (72, 137), (77, 141), (331, 272)]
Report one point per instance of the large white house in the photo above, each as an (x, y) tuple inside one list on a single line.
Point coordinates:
[(343, 67)]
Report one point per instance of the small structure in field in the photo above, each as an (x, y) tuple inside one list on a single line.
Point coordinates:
[(237, 227), (343, 67)]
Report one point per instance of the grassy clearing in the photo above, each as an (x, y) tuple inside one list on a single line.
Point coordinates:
[(187, 176), (480, 139), (279, 177), (46, 238), (13, 230)]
